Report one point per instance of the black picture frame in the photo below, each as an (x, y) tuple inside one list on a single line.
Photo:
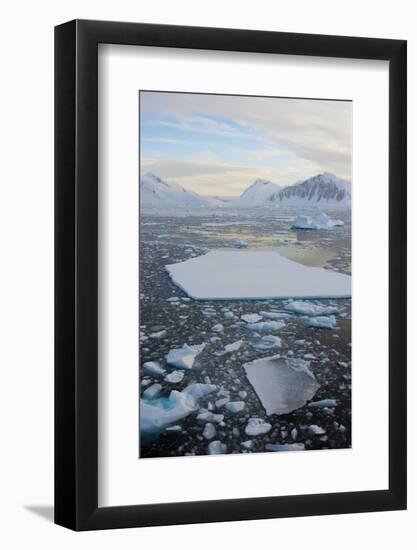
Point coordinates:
[(76, 272)]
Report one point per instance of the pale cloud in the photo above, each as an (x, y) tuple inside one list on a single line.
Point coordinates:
[(295, 137)]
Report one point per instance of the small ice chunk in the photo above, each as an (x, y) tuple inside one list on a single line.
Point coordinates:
[(210, 417), (153, 367), (307, 308), (216, 448), (294, 433), (175, 376), (266, 326), (173, 299), (221, 402), (152, 391), (157, 414), (268, 342), (278, 447), (233, 347), (323, 322), (228, 315), (282, 385), (275, 315), (209, 431), (243, 394), (323, 403), (313, 429), (218, 328), (235, 406), (257, 426), (157, 335), (247, 444), (183, 358), (176, 428), (251, 317), (239, 243)]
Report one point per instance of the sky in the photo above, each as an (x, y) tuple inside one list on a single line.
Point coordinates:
[(218, 144)]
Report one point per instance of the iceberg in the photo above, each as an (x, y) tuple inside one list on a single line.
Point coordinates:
[(183, 358), (322, 221), (255, 274), (307, 308), (157, 414), (282, 385)]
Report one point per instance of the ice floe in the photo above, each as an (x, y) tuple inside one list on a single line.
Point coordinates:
[(251, 317), (266, 326), (309, 309), (256, 274), (208, 416), (152, 391), (235, 406), (282, 385), (323, 403), (216, 448), (267, 342), (183, 358), (175, 376), (209, 431), (278, 447), (153, 367), (157, 414), (257, 426), (323, 322), (322, 221)]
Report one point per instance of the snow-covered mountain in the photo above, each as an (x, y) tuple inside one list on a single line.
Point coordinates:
[(157, 193), (322, 190), (255, 195)]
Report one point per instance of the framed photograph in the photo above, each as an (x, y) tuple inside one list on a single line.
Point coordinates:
[(230, 247)]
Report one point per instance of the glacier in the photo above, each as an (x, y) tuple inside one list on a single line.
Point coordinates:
[(282, 385), (255, 274)]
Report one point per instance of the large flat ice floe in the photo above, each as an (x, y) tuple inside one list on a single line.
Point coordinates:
[(282, 385), (255, 274)]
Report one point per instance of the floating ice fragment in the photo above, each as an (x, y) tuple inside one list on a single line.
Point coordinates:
[(152, 391), (322, 221), (257, 426), (210, 417), (256, 274), (235, 406), (268, 342), (157, 414), (157, 335), (282, 385), (216, 448), (313, 429), (209, 431), (175, 376), (233, 347), (266, 326), (183, 358), (247, 444), (176, 428), (173, 299), (153, 368), (323, 322), (307, 308), (217, 328), (251, 317), (278, 447), (323, 403), (274, 315), (221, 402), (239, 243)]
